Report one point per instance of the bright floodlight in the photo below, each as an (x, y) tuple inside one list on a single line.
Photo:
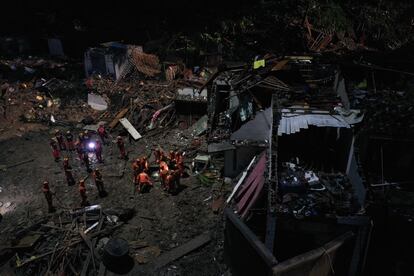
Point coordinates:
[(91, 145)]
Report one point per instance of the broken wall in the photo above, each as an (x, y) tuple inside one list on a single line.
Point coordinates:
[(235, 161)]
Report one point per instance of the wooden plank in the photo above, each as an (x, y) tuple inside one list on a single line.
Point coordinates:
[(96, 234), (280, 65), (90, 245), (102, 269), (130, 128), (5, 167), (182, 250), (118, 116), (86, 265)]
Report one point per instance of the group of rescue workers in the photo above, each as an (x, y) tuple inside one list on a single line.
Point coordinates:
[(171, 167)]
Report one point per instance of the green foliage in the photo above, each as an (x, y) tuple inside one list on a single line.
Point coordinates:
[(329, 16)]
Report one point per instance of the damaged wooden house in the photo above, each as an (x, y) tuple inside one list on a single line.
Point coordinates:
[(286, 131), (117, 60)]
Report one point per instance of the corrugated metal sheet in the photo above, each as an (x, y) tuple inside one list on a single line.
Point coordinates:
[(291, 123), (252, 187)]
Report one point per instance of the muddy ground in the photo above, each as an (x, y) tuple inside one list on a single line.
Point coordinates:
[(162, 220)]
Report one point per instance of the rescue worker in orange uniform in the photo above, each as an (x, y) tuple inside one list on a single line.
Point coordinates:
[(82, 192), (98, 151), (79, 150), (97, 176), (144, 182), (164, 170), (86, 162), (81, 137), (59, 139), (179, 160), (171, 156), (68, 172), (135, 165), (55, 150), (159, 155), (143, 164), (169, 182), (178, 156), (102, 133), (48, 196), (86, 137), (69, 141), (121, 146), (172, 181), (135, 169)]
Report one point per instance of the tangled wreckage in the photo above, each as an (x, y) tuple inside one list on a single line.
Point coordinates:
[(286, 130), (282, 147)]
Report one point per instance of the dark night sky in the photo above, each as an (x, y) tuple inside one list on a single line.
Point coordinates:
[(129, 21), (23, 17)]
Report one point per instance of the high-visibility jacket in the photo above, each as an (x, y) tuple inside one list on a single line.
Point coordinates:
[(143, 164), (143, 178), (163, 166), (135, 166)]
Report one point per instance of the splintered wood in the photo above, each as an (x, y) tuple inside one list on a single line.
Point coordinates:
[(59, 246)]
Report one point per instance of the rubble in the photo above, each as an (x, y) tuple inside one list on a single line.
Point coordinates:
[(74, 240), (306, 193), (61, 243), (236, 130)]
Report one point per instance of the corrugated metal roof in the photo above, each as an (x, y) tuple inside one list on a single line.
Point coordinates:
[(292, 123)]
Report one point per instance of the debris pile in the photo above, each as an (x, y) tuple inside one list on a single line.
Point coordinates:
[(74, 241), (147, 64), (306, 193), (388, 112)]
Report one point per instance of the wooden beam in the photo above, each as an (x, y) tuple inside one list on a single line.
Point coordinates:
[(117, 117), (182, 250)]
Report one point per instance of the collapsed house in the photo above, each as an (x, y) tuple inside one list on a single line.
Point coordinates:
[(285, 128), (116, 60)]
